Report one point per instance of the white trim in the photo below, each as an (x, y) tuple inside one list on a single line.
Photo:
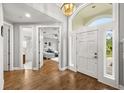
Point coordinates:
[(1, 84), (34, 68), (72, 68), (60, 43), (11, 44), (116, 43), (62, 69), (17, 68), (37, 51)]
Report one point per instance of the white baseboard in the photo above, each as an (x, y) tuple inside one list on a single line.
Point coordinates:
[(62, 69), (121, 87), (11, 69), (72, 69), (17, 68), (35, 68), (1, 84), (20, 68)]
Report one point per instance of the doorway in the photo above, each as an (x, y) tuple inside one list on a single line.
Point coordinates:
[(49, 45), (26, 49)]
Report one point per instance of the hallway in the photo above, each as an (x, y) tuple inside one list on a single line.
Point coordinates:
[(49, 77)]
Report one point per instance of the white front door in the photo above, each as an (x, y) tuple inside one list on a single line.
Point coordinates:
[(87, 53)]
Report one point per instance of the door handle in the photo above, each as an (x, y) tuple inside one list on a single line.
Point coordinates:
[(95, 57), (95, 53), (2, 31)]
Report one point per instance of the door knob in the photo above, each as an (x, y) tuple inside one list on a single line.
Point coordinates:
[(95, 57), (95, 53)]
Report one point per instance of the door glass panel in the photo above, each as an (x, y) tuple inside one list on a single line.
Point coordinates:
[(109, 64)]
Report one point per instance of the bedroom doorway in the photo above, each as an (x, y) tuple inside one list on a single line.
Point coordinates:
[(49, 45)]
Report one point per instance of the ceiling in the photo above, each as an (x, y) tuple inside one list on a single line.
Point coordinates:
[(99, 8), (15, 13)]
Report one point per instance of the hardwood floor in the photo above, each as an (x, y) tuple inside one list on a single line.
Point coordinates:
[(50, 78)]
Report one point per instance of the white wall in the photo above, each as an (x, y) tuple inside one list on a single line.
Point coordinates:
[(77, 22), (1, 50)]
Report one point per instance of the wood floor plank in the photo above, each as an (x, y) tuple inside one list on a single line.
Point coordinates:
[(50, 78)]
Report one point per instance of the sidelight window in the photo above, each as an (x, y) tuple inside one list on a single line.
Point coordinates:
[(108, 62)]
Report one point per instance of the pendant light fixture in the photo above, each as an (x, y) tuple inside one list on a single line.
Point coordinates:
[(68, 8)]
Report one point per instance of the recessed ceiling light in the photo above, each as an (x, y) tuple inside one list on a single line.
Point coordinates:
[(28, 15)]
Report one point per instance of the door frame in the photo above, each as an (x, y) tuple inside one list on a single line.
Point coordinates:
[(60, 43), (116, 35), (20, 48), (11, 45)]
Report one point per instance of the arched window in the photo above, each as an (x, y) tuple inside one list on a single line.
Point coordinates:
[(100, 21)]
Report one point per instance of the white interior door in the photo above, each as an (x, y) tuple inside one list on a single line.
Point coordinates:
[(87, 53), (6, 48), (40, 48)]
